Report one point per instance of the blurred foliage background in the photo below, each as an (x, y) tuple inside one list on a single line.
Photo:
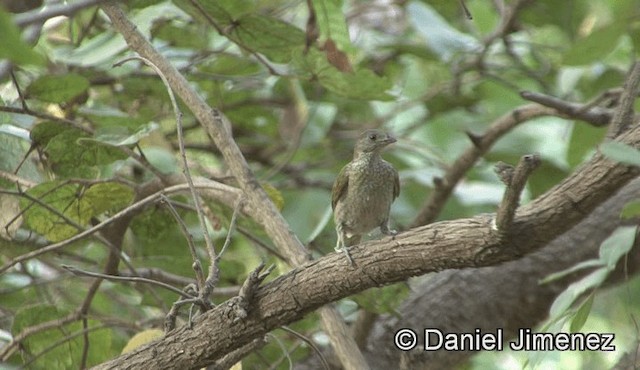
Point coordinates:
[(297, 94)]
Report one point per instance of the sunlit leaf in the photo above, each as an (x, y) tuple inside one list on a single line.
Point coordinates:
[(621, 152), (581, 315), (575, 290), (617, 245), (596, 46)]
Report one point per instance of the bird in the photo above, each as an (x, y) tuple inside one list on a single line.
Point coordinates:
[(362, 193)]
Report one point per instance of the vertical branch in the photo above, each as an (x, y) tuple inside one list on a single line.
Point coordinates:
[(623, 116)]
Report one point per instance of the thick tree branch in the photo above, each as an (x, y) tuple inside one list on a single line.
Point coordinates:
[(444, 245)]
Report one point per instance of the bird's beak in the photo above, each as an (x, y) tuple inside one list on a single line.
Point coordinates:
[(390, 140)]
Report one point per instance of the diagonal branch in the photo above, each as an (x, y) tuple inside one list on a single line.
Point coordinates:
[(444, 245)]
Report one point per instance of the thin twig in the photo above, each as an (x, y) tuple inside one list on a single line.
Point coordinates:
[(232, 225), (119, 215), (310, 343), (207, 287), (130, 279), (196, 265), (62, 341), (235, 356), (52, 10)]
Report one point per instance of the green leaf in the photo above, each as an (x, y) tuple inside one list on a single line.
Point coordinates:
[(575, 290), (223, 12), (596, 46), (269, 36), (61, 356), (230, 65), (617, 245), (584, 139), (71, 152), (631, 210), (123, 139), (621, 152), (581, 315), (332, 24), (58, 89), (106, 197), (363, 84), (577, 267), (59, 202), (256, 33), (62, 199), (441, 37), (12, 47), (44, 131)]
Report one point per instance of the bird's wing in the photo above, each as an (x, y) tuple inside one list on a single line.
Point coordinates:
[(340, 186), (396, 184)]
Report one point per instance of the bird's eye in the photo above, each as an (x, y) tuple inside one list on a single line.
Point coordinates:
[(373, 137)]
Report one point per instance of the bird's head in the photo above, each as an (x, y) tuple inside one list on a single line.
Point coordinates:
[(373, 141)]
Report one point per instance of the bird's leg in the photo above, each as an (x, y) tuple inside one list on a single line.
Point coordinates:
[(340, 245), (384, 229)]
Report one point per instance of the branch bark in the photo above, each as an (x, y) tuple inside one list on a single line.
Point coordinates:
[(452, 244)]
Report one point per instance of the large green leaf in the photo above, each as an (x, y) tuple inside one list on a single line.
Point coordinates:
[(596, 46), (269, 36), (72, 152), (58, 88), (363, 84), (60, 204), (332, 24)]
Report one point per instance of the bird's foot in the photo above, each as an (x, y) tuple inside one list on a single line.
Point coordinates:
[(346, 253), (389, 232)]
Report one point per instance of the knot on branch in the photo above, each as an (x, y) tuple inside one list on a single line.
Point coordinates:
[(515, 180), (237, 308)]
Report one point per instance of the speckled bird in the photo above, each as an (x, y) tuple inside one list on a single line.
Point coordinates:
[(363, 191)]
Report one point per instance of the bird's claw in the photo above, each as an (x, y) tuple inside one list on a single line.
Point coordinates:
[(346, 253), (345, 250)]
